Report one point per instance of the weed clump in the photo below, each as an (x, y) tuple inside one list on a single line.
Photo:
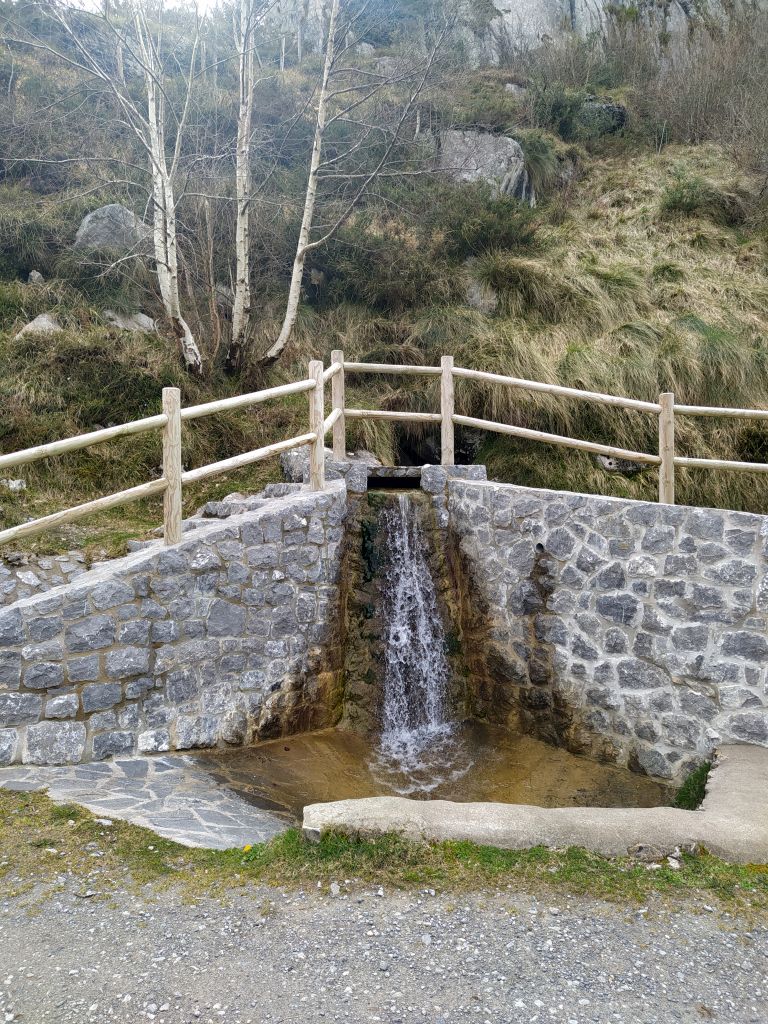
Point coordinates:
[(691, 794), (694, 196)]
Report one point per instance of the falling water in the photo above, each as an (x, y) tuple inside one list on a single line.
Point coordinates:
[(415, 744)]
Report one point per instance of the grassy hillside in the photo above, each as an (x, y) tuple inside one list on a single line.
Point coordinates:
[(643, 269)]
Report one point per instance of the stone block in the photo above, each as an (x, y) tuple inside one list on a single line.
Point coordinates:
[(9, 745), (19, 708), (154, 741), (744, 644), (226, 619), (640, 675), (65, 705), (10, 670), (198, 731), (111, 744), (110, 594), (621, 608), (44, 675), (90, 634), (750, 727), (126, 662), (99, 696), (54, 743)]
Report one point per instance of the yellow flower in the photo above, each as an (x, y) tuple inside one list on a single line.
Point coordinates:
[(247, 848)]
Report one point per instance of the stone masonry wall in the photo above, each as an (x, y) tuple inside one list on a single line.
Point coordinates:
[(223, 638), (629, 631)]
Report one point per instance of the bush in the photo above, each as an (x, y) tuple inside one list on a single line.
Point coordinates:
[(472, 221)]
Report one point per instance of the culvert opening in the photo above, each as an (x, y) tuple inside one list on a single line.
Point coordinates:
[(411, 718), (394, 483)]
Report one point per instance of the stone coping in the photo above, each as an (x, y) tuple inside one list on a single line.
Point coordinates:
[(732, 823)]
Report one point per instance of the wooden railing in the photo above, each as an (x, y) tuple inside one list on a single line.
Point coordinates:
[(174, 477)]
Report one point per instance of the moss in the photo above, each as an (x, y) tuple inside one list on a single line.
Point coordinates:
[(691, 794)]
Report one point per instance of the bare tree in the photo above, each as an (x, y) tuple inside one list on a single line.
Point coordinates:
[(345, 96), (140, 41)]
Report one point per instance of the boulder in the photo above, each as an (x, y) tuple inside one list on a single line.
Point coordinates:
[(601, 117), (469, 155), (137, 322), (113, 228), (46, 323), (35, 277)]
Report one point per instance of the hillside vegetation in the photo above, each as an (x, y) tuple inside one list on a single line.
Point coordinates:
[(642, 269)]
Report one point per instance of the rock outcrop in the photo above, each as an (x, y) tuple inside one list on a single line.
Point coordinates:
[(469, 155), (112, 228)]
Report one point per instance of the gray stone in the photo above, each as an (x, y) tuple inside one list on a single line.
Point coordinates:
[(623, 608), (54, 743), (10, 669), (640, 675), (110, 594), (63, 706), (98, 696), (226, 619), (11, 628), (469, 156), (44, 675), (743, 644), (751, 727), (126, 662), (19, 708), (9, 744), (90, 634), (154, 741), (45, 324), (137, 323), (112, 228), (200, 731), (110, 744)]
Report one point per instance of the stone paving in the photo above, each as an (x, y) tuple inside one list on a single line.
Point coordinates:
[(170, 794)]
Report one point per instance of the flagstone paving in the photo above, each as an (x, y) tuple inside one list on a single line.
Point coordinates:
[(169, 794)]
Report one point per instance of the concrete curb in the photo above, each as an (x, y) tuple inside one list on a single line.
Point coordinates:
[(732, 822)]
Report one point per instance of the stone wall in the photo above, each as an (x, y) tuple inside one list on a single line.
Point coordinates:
[(625, 630), (224, 638)]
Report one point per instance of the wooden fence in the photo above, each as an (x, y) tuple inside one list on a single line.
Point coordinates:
[(174, 477)]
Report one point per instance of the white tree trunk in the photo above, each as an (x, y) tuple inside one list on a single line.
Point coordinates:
[(241, 308), (297, 275), (164, 228)]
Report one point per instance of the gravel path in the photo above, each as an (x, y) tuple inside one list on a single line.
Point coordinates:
[(355, 954)]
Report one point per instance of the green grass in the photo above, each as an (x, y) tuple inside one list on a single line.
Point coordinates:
[(692, 792), (31, 826)]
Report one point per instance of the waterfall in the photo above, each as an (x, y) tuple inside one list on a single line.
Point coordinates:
[(415, 721)]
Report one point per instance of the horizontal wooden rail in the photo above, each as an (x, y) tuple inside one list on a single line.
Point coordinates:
[(237, 461), (405, 370), (71, 514), (331, 371), (557, 389), (330, 419), (744, 467), (72, 444), (193, 412), (567, 442), (388, 414), (713, 410)]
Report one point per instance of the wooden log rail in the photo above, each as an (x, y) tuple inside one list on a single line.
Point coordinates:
[(174, 477)]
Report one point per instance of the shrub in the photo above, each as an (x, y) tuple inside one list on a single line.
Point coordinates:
[(472, 221)]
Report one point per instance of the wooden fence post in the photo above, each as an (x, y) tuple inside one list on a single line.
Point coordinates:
[(667, 448), (317, 426), (172, 465), (446, 411), (337, 402)]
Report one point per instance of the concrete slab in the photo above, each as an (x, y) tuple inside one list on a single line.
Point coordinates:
[(732, 822)]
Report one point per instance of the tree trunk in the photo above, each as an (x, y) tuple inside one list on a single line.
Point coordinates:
[(297, 275), (241, 309), (164, 233)]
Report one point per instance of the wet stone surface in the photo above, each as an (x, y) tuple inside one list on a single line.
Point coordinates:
[(169, 794)]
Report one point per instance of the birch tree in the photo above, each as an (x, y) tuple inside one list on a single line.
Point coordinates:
[(141, 42), (344, 95)]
